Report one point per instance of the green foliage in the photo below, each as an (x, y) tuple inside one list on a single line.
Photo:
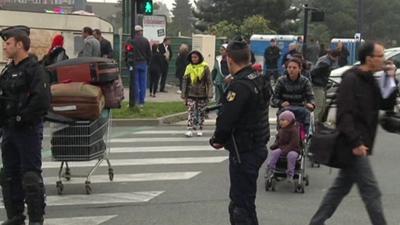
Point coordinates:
[(182, 20), (150, 110)]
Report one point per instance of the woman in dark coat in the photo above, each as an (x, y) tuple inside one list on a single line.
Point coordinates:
[(155, 69), (181, 63), (56, 52)]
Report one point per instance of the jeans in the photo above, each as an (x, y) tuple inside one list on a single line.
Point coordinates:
[(359, 173), (141, 79)]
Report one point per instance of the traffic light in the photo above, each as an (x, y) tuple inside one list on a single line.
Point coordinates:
[(144, 7)]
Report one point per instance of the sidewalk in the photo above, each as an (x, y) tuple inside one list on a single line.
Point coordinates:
[(170, 96)]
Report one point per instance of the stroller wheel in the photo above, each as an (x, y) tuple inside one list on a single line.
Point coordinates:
[(299, 188), (273, 184), (306, 180)]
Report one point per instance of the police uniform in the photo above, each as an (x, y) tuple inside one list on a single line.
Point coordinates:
[(24, 100), (243, 129)]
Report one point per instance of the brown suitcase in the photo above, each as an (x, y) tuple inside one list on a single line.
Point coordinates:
[(77, 100), (113, 94), (85, 69)]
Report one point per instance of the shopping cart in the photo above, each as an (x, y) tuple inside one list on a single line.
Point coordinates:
[(82, 141)]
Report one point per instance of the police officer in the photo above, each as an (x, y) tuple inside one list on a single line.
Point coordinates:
[(24, 99), (243, 129)]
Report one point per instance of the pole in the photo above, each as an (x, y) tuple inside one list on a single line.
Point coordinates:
[(360, 21), (131, 68), (306, 9)]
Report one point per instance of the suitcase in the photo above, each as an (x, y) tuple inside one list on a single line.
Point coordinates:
[(85, 69), (77, 100), (113, 94)]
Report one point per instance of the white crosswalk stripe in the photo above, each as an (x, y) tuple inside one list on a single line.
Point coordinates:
[(89, 220), (191, 148)]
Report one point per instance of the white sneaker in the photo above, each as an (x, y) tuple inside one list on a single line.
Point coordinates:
[(189, 133), (179, 92), (199, 133)]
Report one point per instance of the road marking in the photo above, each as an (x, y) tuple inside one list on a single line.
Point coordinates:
[(147, 161), (189, 148), (99, 199), (138, 177), (90, 220), (159, 139), (182, 132)]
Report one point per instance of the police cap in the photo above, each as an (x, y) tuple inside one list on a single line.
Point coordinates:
[(14, 31)]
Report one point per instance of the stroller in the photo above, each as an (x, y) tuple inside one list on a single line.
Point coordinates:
[(300, 178)]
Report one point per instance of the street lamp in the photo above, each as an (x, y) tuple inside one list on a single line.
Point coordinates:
[(316, 16)]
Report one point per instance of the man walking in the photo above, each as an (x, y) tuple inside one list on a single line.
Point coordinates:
[(271, 57), (243, 129), (165, 50), (91, 46), (105, 45), (359, 101), (319, 79)]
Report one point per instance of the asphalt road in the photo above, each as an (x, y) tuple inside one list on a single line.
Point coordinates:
[(163, 178)]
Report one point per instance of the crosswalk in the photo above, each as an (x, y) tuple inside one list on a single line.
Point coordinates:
[(159, 154)]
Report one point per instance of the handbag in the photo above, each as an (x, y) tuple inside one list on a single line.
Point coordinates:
[(329, 147)]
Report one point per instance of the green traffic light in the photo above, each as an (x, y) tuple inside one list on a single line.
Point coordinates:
[(148, 8)]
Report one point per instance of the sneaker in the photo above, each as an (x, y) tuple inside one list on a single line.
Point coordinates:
[(290, 179), (179, 92), (199, 133), (189, 133)]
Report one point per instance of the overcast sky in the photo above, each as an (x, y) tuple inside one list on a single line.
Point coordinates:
[(167, 2)]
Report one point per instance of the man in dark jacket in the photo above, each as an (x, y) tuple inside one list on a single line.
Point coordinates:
[(320, 77), (105, 45), (138, 54), (271, 57), (243, 129), (165, 50), (359, 101), (24, 100)]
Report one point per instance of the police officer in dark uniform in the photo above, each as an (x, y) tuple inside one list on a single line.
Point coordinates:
[(243, 129), (24, 100)]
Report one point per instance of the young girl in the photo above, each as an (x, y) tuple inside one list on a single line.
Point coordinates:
[(287, 144), (196, 91), (155, 70)]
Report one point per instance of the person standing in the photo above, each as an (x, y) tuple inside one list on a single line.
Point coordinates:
[(138, 54), (155, 69), (56, 52), (181, 63), (196, 91), (165, 50), (219, 73), (358, 102), (106, 50), (25, 99), (271, 57), (344, 54), (243, 129), (91, 46), (320, 77)]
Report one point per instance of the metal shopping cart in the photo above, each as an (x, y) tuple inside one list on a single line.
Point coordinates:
[(81, 141)]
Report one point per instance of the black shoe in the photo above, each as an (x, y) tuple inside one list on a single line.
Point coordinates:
[(16, 220)]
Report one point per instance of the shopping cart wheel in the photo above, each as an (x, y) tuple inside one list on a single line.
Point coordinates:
[(88, 187), (60, 187), (67, 174), (111, 174)]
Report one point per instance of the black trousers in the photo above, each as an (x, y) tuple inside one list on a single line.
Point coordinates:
[(243, 188), (164, 74), (154, 79)]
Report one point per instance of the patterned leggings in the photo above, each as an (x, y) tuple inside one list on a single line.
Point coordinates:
[(196, 113)]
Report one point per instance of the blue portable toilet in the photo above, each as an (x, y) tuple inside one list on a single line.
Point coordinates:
[(259, 43), (351, 45)]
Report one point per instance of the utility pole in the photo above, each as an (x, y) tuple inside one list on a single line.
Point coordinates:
[(304, 48)]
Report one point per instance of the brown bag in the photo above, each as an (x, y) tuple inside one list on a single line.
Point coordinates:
[(113, 94), (77, 100)]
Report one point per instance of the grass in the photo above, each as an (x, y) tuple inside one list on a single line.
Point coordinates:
[(150, 110)]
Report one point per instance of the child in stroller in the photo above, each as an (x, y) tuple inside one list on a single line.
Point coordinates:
[(287, 156)]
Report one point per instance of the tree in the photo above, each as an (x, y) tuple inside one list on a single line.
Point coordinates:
[(280, 13), (224, 29), (255, 25), (161, 8), (182, 20)]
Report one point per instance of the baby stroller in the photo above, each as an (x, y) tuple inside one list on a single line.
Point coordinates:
[(300, 178)]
